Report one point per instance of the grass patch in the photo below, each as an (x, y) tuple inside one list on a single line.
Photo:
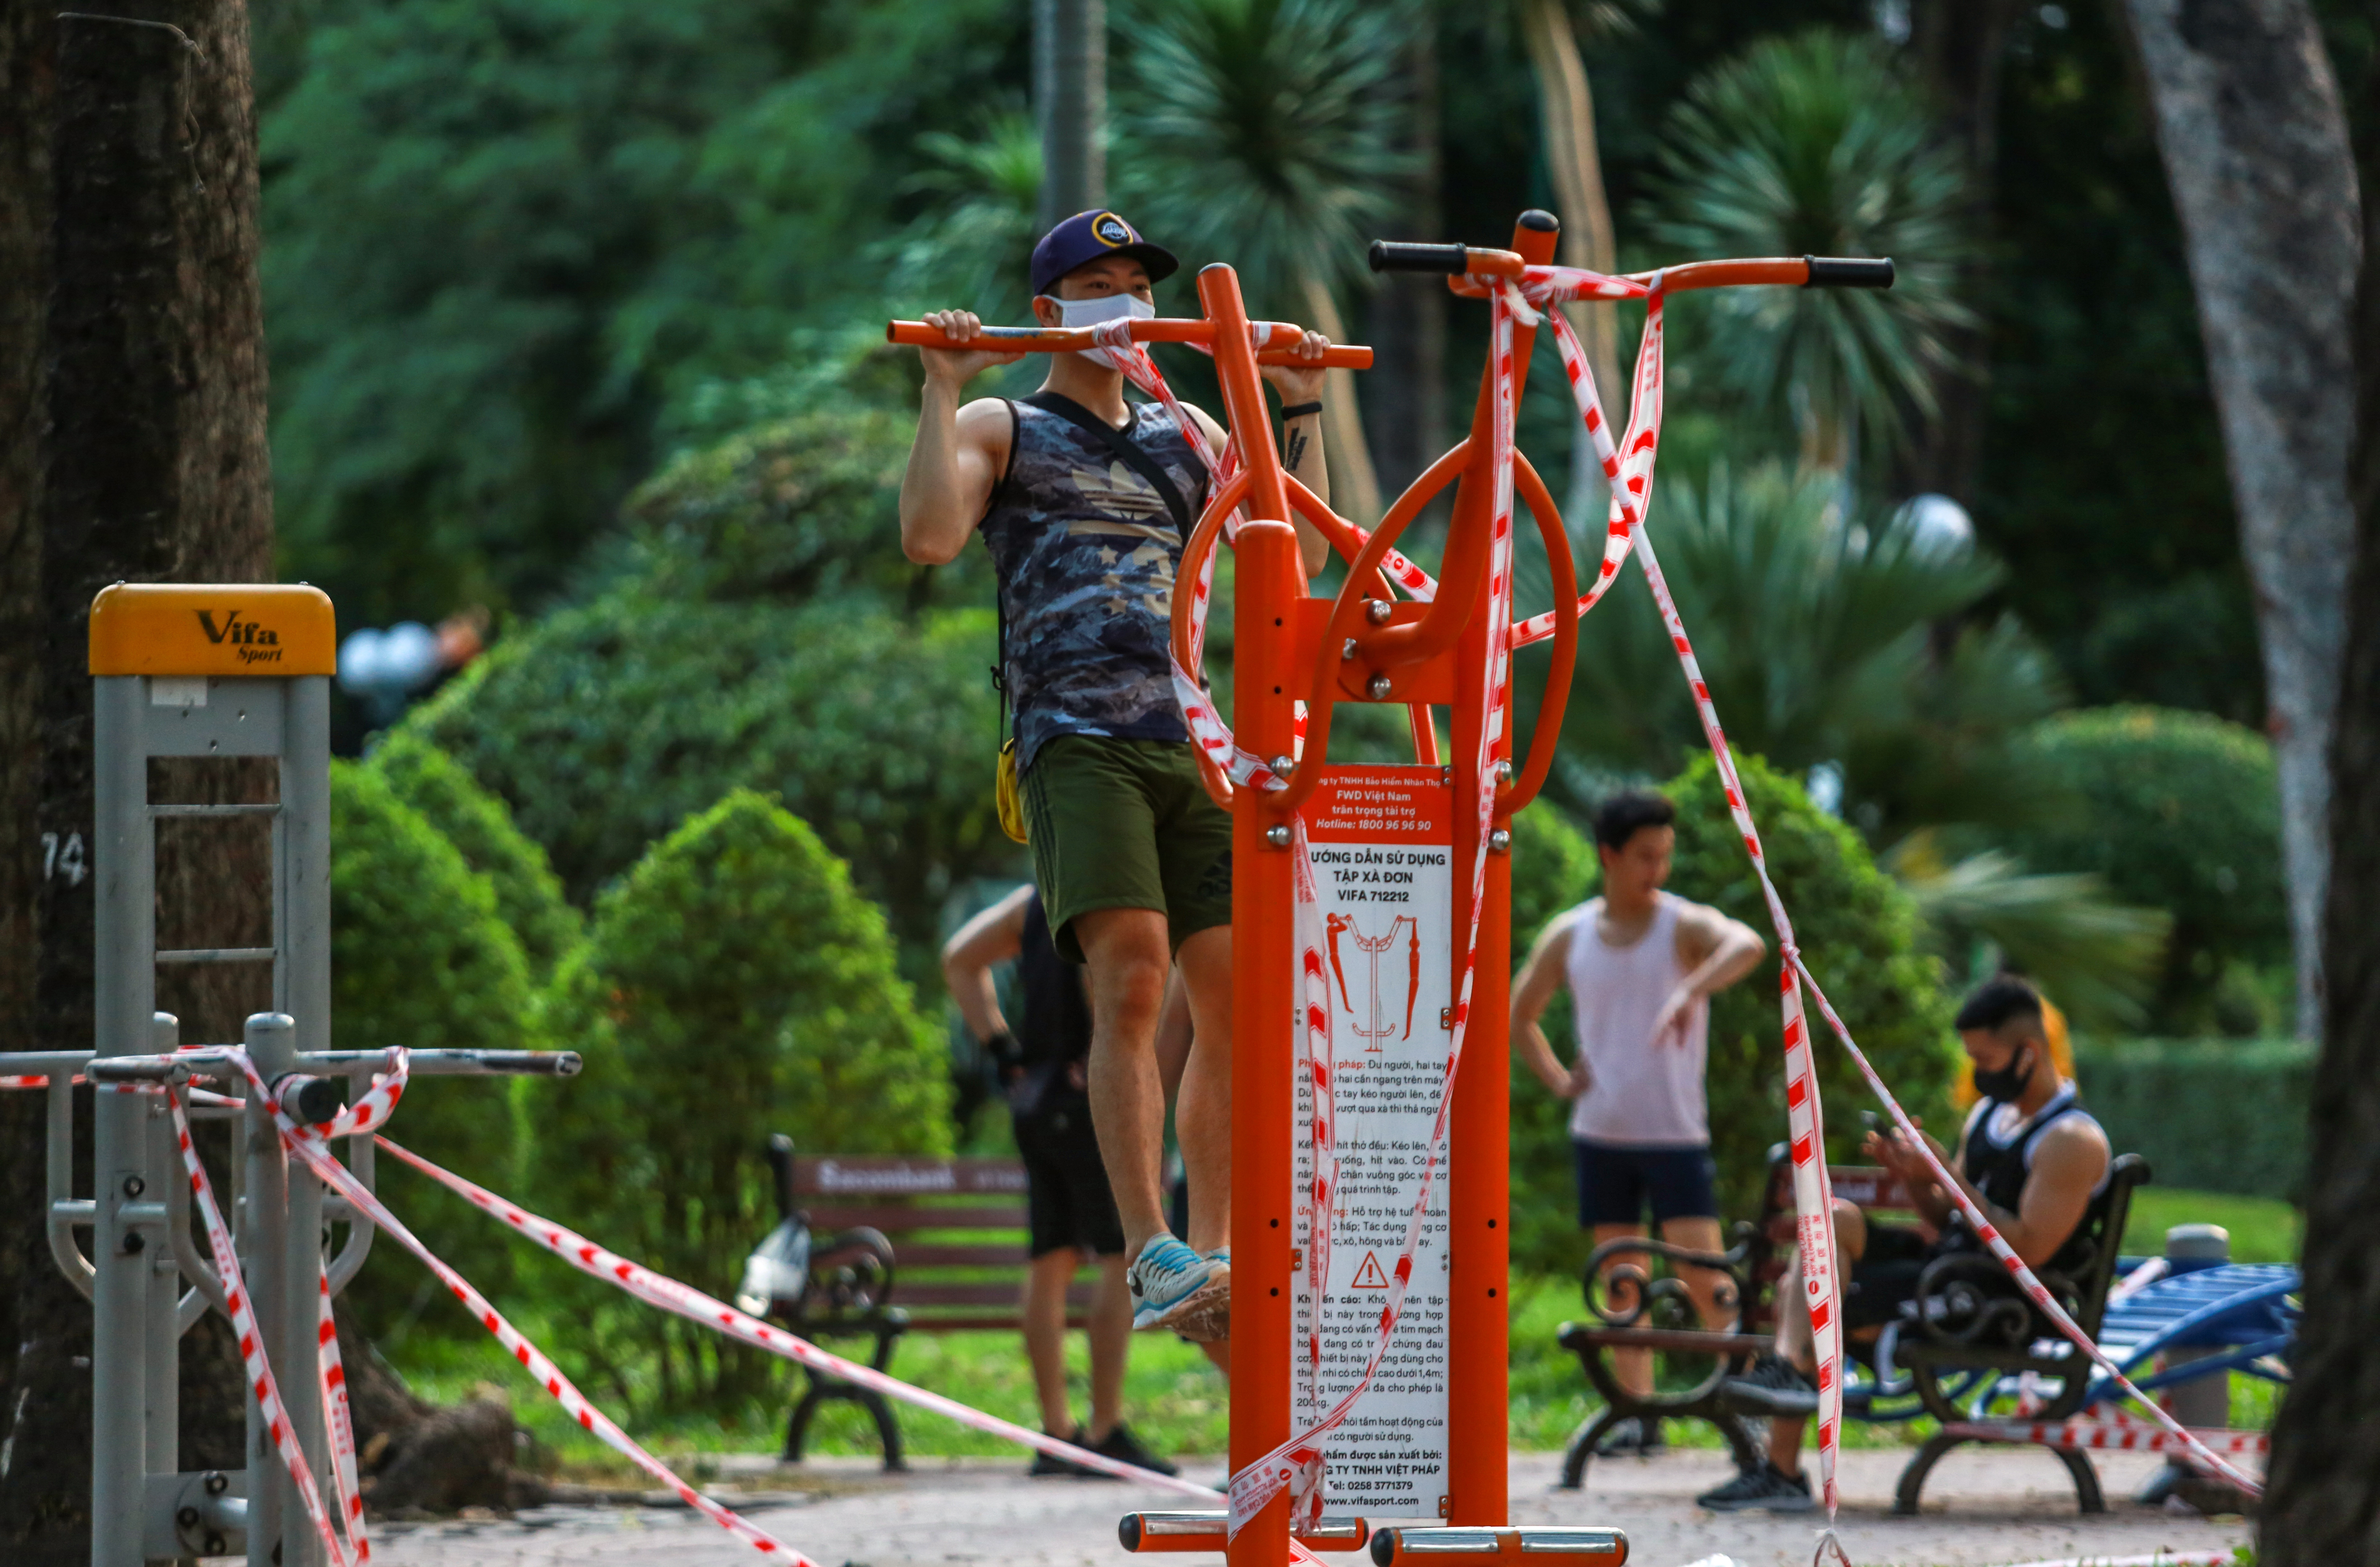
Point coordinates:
[(1173, 1399), (2262, 1229)]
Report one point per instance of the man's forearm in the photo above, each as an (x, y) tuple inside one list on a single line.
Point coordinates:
[(929, 485), (1302, 460)]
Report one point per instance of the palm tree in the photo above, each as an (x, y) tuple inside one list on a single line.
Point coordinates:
[(2099, 957), (1814, 145), (1264, 133), (1818, 635)]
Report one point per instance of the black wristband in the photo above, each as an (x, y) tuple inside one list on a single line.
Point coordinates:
[(1299, 411), (1002, 1047)]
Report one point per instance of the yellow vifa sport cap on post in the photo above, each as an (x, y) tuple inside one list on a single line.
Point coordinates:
[(263, 628)]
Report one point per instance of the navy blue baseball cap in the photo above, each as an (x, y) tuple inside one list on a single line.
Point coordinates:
[(1086, 237)]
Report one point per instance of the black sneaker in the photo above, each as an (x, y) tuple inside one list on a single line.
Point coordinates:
[(1123, 1446), (1632, 1435), (1773, 1385), (1766, 1488), (1046, 1463)]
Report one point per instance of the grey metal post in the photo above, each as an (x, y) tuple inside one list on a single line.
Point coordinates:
[(264, 1259), (125, 930), (302, 898), (160, 1328)]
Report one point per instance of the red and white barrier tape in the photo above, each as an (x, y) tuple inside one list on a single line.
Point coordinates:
[(312, 1149), (337, 1424), (1808, 1126), (685, 1300), (2112, 1436), (2160, 1559), (251, 1346)]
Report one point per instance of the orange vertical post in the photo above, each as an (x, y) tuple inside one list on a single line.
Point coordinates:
[(1480, 1172), (1267, 583)]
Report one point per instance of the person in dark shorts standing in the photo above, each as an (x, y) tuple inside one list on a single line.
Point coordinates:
[(1070, 1216), (1641, 966), (1084, 500), (2030, 1157)]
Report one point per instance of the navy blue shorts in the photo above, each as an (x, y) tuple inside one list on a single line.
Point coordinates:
[(1615, 1180)]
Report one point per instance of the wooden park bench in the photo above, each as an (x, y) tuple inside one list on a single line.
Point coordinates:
[(1963, 1350), (943, 1238)]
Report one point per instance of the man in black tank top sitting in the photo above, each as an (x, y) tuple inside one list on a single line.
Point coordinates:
[(2030, 1157), (1085, 501), (1070, 1214)]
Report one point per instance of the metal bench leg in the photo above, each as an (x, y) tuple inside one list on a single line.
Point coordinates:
[(888, 1429), (1906, 1495), (797, 1425), (2088, 1498), (1582, 1446)]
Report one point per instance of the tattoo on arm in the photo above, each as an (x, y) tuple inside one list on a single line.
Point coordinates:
[(1297, 452)]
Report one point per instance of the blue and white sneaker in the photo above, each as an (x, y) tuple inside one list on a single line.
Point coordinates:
[(1177, 1288)]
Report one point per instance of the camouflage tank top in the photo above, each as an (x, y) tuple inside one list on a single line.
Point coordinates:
[(1086, 550)]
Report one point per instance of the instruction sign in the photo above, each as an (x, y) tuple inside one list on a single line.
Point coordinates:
[(1382, 840)]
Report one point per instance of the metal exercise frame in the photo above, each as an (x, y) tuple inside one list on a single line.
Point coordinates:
[(1289, 645), (188, 671)]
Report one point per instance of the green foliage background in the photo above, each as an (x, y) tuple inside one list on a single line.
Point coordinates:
[(732, 985)]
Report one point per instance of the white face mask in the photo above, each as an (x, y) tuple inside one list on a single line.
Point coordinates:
[(1091, 313)]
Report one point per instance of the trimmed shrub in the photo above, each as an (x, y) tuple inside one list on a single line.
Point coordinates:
[(1858, 931), (2178, 812), (420, 957), (606, 727), (529, 895), (732, 985), (2210, 1115)]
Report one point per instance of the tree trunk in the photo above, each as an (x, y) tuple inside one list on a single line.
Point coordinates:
[(1406, 392), (2323, 1504), (1959, 46), (1355, 488), (25, 105), (1069, 100), (2256, 149), (153, 466), (1566, 107)]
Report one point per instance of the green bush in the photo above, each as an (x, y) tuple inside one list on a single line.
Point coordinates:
[(803, 507), (420, 957), (529, 895), (1554, 869), (1858, 931), (732, 985), (2212, 1115), (2177, 811), (606, 726)]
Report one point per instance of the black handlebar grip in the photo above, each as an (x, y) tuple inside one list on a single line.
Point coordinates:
[(1849, 271), (1396, 255)]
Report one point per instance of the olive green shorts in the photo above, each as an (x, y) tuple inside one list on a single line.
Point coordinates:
[(1126, 824)]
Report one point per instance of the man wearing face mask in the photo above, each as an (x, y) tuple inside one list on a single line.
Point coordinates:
[(1084, 500), (2030, 1157)]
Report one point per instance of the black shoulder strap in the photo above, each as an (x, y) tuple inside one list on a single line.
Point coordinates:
[(1127, 449)]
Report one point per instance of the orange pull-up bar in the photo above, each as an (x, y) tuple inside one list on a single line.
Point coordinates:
[(1274, 343)]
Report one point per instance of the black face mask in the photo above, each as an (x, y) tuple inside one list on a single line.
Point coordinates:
[(2008, 1082)]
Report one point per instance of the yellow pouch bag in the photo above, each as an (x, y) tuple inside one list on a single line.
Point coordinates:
[(1012, 802)]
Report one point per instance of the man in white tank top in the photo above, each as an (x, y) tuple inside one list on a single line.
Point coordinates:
[(1642, 965)]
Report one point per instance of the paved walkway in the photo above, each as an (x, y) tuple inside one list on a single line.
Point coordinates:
[(1982, 1507)]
